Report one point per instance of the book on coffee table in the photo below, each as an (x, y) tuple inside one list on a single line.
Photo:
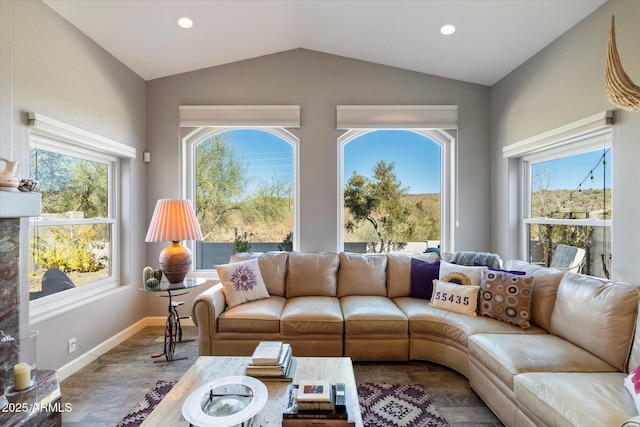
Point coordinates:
[(267, 353), (328, 415), (279, 371), (314, 391), (287, 376)]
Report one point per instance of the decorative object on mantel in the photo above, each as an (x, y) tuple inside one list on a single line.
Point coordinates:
[(27, 185), (174, 220), (9, 175), (619, 88)]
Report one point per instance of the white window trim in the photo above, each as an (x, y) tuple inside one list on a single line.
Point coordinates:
[(352, 117), (239, 116), (437, 122), (589, 134), (196, 136), (44, 126), (448, 197), (46, 132)]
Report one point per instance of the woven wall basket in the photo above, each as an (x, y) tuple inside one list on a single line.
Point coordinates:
[(620, 90)]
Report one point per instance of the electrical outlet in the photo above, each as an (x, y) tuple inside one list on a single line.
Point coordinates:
[(72, 345)]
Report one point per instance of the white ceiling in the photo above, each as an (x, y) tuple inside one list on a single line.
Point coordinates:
[(493, 38)]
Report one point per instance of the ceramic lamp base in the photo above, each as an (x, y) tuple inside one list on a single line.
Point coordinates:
[(175, 261)]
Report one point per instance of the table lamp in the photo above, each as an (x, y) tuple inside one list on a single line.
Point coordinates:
[(174, 220)]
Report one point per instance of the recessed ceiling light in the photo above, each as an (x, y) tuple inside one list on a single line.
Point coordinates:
[(185, 22), (447, 30)]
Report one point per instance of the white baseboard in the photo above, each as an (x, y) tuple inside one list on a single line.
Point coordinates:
[(89, 356)]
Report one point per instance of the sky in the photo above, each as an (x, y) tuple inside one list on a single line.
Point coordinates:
[(569, 172), (417, 160)]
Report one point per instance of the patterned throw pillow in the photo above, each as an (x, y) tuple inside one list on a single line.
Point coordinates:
[(242, 282), (632, 384), (507, 297), (460, 274), (454, 297), (422, 276)]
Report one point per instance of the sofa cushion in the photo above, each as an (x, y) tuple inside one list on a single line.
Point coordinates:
[(312, 273), (507, 355), (242, 282), (436, 322), (597, 315), (399, 272), (372, 314), (545, 288), (422, 276), (312, 315), (454, 297), (460, 274), (505, 296), (362, 274), (575, 399), (273, 266), (253, 317)]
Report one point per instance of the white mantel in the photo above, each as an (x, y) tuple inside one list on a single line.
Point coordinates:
[(17, 204)]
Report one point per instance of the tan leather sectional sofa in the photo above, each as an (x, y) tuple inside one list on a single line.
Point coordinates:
[(567, 369)]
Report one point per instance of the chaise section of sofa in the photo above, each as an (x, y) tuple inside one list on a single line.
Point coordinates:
[(539, 379)]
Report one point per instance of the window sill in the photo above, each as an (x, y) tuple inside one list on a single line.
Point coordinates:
[(55, 305)]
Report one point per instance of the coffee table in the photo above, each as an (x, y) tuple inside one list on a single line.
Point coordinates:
[(207, 368)]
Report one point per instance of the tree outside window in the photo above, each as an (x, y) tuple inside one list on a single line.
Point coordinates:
[(392, 192), (243, 181)]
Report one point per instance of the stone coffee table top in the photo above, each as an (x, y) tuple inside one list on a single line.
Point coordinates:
[(208, 368)]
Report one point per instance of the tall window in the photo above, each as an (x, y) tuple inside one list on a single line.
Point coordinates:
[(392, 188), (397, 177), (72, 243), (243, 187), (569, 203), (565, 195), (75, 245)]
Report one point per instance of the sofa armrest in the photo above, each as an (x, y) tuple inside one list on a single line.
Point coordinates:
[(205, 310), (632, 422)]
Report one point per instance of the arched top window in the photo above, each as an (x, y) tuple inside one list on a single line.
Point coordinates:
[(392, 194), (242, 182), (384, 206)]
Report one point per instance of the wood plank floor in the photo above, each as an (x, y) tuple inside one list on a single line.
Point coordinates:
[(104, 391)]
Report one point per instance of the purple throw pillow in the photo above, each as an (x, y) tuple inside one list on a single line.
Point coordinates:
[(422, 275), (519, 273)]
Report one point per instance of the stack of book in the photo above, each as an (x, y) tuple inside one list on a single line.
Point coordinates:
[(318, 403), (272, 361)]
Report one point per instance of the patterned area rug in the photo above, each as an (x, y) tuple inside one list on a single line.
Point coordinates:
[(398, 405), (146, 405), (382, 405)]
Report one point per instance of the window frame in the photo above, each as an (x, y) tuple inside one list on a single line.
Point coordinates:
[(53, 135), (588, 134), (188, 153), (591, 143), (448, 193)]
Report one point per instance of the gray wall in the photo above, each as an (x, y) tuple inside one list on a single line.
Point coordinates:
[(318, 82), (53, 69), (561, 84)]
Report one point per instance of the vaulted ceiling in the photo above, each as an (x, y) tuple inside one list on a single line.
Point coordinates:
[(493, 37)]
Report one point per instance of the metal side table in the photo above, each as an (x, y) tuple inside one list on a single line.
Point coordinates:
[(173, 330)]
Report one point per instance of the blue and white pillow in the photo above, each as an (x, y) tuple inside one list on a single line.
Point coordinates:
[(242, 282)]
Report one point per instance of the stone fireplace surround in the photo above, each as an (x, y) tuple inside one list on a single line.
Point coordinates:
[(15, 210)]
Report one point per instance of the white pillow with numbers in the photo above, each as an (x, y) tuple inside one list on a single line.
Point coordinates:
[(461, 299)]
